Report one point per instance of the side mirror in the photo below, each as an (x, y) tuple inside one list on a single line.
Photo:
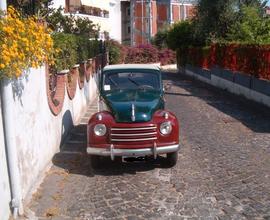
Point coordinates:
[(167, 87)]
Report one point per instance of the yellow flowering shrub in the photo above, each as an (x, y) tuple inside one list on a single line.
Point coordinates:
[(24, 43)]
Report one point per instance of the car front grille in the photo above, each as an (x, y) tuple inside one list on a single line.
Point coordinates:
[(133, 134)]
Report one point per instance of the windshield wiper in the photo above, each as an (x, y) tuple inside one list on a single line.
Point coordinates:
[(133, 81), (114, 83)]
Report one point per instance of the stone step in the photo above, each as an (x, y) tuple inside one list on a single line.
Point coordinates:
[(79, 129), (78, 147), (76, 142)]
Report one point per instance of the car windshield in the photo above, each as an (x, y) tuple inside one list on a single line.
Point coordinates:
[(131, 80)]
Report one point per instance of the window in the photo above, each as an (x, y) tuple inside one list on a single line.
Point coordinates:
[(128, 29), (182, 12), (131, 80), (67, 4)]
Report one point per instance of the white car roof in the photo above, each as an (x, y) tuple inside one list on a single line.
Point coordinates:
[(132, 66)]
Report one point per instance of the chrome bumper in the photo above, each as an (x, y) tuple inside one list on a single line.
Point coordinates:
[(112, 152)]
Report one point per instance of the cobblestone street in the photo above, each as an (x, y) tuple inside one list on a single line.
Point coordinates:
[(223, 171)]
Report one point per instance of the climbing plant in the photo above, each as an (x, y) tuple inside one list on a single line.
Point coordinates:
[(24, 43)]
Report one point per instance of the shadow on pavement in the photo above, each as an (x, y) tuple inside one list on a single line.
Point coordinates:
[(67, 124), (80, 164), (73, 158), (253, 115)]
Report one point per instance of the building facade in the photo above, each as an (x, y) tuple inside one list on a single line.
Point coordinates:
[(126, 25), (106, 14), (146, 17)]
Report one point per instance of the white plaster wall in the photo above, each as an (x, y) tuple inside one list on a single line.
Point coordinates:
[(111, 25), (4, 180), (38, 131), (115, 20), (58, 3)]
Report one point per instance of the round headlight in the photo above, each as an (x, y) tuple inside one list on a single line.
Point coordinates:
[(165, 128), (100, 129)]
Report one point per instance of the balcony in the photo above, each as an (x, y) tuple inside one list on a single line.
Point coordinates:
[(87, 10)]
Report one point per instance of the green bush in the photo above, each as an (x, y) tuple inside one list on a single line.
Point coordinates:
[(117, 52), (94, 48), (250, 27), (74, 49), (82, 48), (251, 59), (67, 46), (180, 35), (70, 24), (160, 39)]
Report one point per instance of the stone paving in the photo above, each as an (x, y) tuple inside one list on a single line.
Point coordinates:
[(223, 170)]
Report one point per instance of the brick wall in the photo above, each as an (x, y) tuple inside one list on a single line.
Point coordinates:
[(141, 23), (190, 10), (154, 18), (162, 15), (176, 12), (126, 27)]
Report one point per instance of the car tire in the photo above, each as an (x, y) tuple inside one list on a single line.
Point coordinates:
[(172, 159), (95, 161)]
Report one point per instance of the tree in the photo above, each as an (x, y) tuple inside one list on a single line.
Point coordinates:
[(159, 40), (214, 18), (180, 35), (117, 52), (71, 24), (251, 27), (32, 7), (256, 3)]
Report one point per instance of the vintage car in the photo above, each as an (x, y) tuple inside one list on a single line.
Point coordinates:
[(132, 121)]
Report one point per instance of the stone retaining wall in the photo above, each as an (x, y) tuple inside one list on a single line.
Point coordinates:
[(238, 83)]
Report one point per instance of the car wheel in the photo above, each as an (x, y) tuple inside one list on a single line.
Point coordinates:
[(95, 161), (172, 159)]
